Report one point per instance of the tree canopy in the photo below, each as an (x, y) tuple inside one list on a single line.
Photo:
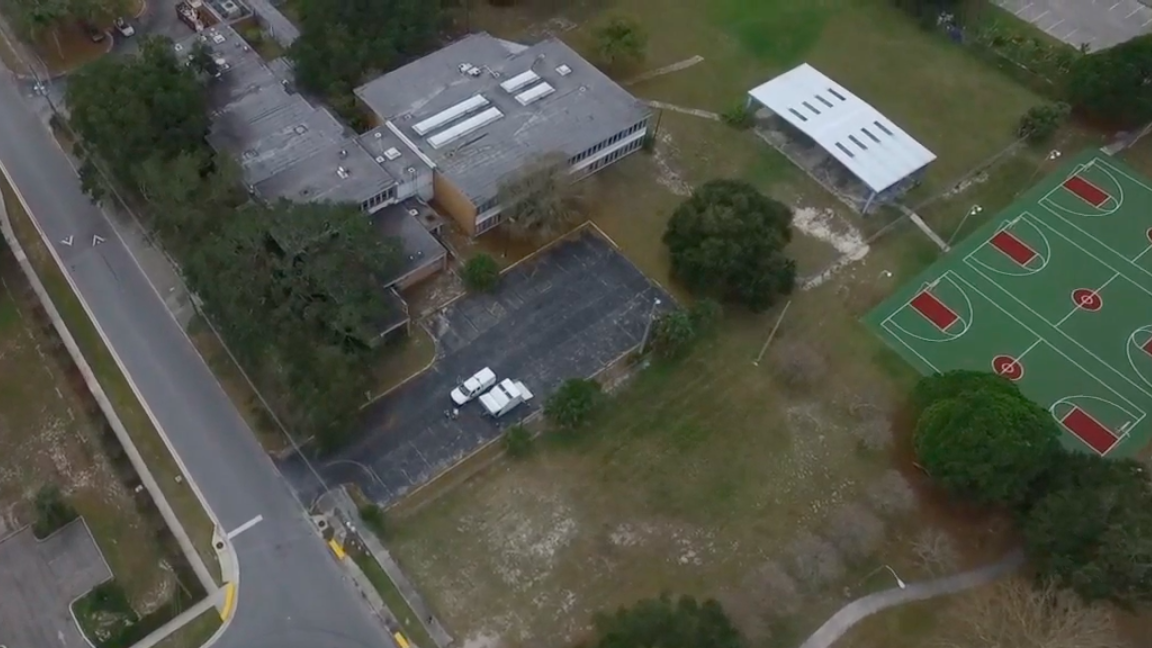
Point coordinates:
[(667, 623), (1092, 529), (34, 18), (987, 445), (727, 242), (621, 40), (542, 200), (296, 289), (130, 111), (1112, 84), (932, 389), (342, 42)]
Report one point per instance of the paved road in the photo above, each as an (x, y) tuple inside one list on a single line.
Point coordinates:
[(291, 592), (857, 610)]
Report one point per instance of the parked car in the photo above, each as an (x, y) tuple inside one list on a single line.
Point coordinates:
[(93, 33), (474, 386), (123, 27)]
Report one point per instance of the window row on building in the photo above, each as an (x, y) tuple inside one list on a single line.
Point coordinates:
[(382, 198), (608, 142)]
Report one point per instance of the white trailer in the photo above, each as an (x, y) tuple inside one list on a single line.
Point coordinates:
[(504, 397)]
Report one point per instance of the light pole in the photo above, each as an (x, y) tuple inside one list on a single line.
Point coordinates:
[(899, 582), (648, 326), (975, 209)]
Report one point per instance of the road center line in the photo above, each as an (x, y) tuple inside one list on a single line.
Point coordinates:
[(244, 527)]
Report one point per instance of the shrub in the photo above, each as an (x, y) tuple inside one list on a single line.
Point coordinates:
[(481, 273), (1040, 123), (739, 116), (52, 511), (573, 403), (373, 517), (518, 442)]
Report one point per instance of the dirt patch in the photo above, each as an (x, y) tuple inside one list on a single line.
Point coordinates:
[(48, 434)]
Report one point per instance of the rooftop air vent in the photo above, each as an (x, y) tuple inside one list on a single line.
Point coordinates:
[(411, 170), (563, 70), (535, 93), (474, 71), (379, 159), (392, 153), (378, 135), (413, 212)]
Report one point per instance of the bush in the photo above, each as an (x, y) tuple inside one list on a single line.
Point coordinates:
[(574, 402), (674, 332), (518, 442), (373, 517), (52, 511), (1040, 123), (738, 116), (481, 273)]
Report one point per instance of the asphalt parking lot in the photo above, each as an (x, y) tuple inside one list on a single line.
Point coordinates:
[(566, 313), (40, 580), (1098, 23)]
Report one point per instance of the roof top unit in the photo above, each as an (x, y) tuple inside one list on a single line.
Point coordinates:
[(463, 128), (450, 114), (535, 93), (519, 81), (392, 153)]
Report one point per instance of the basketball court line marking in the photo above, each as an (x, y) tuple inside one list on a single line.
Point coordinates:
[(1132, 406), (1071, 339), (1014, 248), (1096, 430), (1102, 262), (884, 325), (925, 289), (1078, 308), (1047, 199), (1093, 237), (1026, 217), (1146, 348), (1119, 435), (1086, 190)]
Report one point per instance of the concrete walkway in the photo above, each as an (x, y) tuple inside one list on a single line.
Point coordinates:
[(866, 606)]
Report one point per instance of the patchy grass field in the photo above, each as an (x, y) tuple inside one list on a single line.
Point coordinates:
[(47, 436), (704, 473)]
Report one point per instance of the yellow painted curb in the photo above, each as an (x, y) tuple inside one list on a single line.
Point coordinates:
[(400, 640), (337, 549), (229, 601)]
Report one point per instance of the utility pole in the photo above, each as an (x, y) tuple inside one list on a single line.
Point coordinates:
[(756, 362), (648, 326)]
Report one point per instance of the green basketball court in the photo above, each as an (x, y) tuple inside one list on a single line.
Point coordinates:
[(1056, 294)]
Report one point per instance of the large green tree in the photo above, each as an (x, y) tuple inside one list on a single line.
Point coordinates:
[(1112, 84), (934, 388), (343, 41), (987, 445), (132, 110), (667, 623), (297, 291), (1092, 529), (727, 242)]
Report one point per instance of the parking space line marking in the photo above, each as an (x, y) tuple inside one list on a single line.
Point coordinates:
[(244, 527)]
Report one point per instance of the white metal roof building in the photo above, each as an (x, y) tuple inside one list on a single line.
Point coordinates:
[(865, 142)]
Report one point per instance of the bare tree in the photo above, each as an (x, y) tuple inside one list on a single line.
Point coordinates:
[(892, 494), (856, 531), (798, 365), (765, 595), (543, 200), (936, 551), (815, 561), (873, 434), (1015, 614)]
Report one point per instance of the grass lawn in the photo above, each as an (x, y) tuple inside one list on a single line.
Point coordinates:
[(48, 436), (410, 625), (195, 634), (184, 502), (403, 358), (701, 471)]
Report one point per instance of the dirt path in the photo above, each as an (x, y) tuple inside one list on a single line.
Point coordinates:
[(857, 610)]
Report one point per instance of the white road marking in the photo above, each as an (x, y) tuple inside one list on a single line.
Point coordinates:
[(67, 241), (97, 240), (244, 527)]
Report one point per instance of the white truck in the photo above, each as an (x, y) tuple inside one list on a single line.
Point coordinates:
[(474, 386), (504, 397)]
